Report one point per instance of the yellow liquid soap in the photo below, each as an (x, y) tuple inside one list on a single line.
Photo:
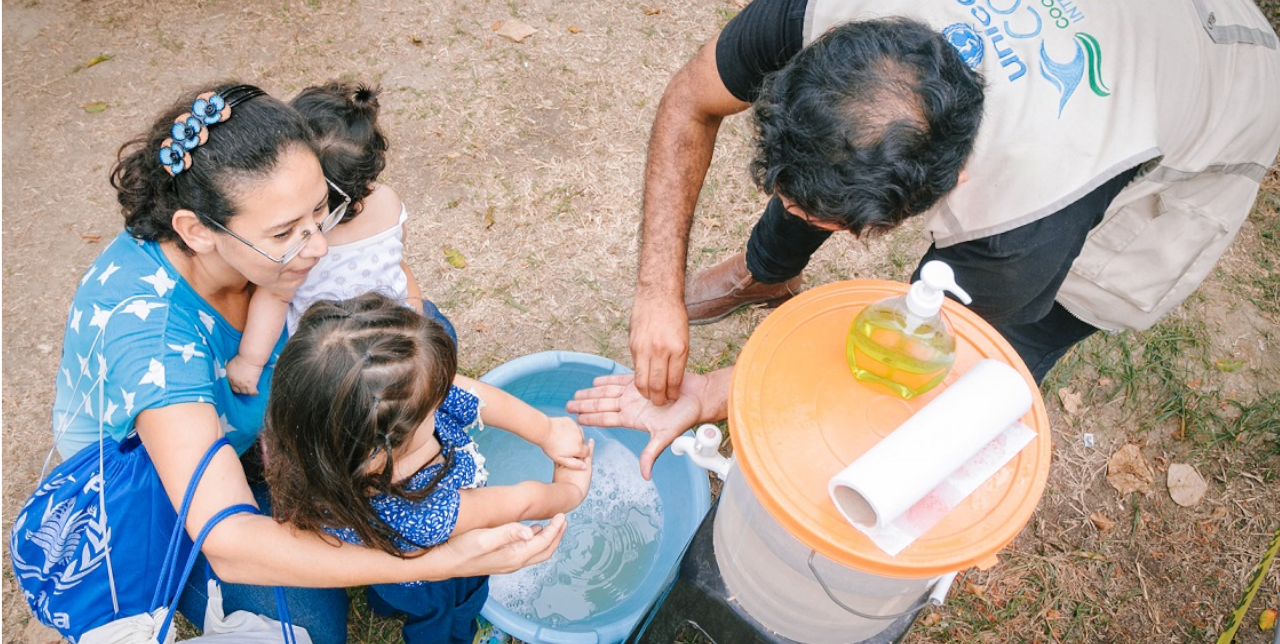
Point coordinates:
[(881, 348)]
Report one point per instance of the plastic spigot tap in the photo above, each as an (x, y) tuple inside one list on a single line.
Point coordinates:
[(924, 300), (703, 448)]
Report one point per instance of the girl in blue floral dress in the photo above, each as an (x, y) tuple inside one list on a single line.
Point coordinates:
[(367, 430)]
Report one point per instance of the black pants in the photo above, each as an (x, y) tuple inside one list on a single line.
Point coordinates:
[(1013, 277)]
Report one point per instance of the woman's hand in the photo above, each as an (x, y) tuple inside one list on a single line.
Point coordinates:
[(615, 401), (504, 549), (565, 446)]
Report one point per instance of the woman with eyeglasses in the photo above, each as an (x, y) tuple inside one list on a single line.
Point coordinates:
[(223, 197), (364, 229)]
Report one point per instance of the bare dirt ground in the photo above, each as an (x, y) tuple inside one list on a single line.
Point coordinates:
[(526, 159)]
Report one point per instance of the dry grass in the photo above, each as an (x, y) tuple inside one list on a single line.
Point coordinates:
[(546, 139)]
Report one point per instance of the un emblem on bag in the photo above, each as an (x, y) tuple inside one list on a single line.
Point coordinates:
[(60, 538)]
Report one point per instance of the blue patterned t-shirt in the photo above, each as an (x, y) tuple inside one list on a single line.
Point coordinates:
[(139, 337), (430, 522)]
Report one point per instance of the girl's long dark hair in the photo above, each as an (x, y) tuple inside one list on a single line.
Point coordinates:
[(358, 375)]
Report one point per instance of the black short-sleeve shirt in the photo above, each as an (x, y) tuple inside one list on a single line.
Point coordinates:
[(759, 40)]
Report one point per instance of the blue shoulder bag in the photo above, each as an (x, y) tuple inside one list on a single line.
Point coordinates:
[(86, 543)]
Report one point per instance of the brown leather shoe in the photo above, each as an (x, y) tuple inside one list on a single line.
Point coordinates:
[(728, 286)]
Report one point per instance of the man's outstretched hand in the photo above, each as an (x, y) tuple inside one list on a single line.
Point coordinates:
[(614, 401)]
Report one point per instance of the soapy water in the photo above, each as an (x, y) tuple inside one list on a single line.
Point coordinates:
[(606, 552)]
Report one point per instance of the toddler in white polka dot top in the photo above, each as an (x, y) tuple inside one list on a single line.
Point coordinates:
[(363, 227)]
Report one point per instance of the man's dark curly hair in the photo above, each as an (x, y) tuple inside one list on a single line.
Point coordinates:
[(869, 125)]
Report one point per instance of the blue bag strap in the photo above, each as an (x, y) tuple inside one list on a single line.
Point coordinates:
[(195, 554), (170, 563), (282, 605), (170, 588), (286, 623)]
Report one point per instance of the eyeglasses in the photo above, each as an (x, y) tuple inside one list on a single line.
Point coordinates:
[(325, 225)]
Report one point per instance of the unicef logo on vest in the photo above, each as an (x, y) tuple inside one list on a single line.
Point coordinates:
[(967, 42), (1067, 75)]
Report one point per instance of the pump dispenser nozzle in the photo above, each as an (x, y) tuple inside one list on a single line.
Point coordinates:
[(903, 342), (925, 297)]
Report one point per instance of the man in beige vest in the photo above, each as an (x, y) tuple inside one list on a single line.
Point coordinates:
[(1080, 164)]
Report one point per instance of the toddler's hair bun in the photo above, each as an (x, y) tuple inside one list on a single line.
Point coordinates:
[(365, 97)]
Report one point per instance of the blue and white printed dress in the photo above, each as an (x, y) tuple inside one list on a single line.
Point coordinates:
[(430, 522)]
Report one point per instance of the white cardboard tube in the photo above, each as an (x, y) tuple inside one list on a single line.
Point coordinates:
[(909, 463)]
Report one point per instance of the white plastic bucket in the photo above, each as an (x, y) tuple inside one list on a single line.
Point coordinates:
[(768, 572)]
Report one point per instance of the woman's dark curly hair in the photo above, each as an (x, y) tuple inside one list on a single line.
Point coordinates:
[(869, 125), (356, 379), (241, 150), (353, 151)]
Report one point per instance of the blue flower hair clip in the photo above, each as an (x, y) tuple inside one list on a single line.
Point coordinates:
[(174, 157), (191, 130), (210, 108)]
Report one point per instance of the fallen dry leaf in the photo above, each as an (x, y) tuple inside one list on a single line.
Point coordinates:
[(98, 59), (513, 30), (652, 11), (1267, 619), (415, 40), (975, 589), (488, 218), (1053, 613), (574, 30), (1186, 486), (1128, 472), (95, 107), (1228, 366), (1071, 401), (932, 619), (455, 258), (1101, 521), (91, 239)]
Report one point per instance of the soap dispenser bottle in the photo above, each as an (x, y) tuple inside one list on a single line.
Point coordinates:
[(904, 342)]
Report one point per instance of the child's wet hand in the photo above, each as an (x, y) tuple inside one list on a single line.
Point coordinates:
[(579, 479), (564, 444), (243, 376)]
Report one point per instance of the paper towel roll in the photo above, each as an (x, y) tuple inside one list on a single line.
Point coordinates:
[(922, 452)]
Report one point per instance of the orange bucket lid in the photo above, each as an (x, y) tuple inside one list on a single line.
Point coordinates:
[(797, 417)]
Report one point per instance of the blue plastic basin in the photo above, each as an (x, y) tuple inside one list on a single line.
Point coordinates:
[(547, 381)]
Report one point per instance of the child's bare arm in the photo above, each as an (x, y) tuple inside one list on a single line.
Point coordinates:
[(488, 507), (560, 438), (267, 312), (415, 292)]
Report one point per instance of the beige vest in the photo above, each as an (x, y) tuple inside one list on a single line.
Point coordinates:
[(1081, 90)]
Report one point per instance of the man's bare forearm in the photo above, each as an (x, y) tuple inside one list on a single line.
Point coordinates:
[(681, 145)]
